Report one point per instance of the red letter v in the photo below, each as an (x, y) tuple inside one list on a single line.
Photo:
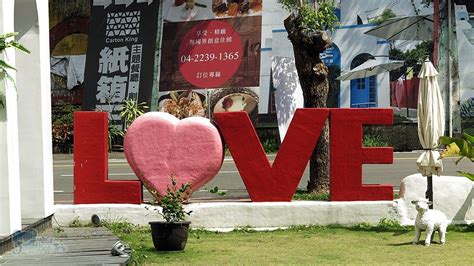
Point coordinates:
[(277, 182)]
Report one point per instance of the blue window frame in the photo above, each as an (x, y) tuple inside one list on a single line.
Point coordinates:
[(364, 92)]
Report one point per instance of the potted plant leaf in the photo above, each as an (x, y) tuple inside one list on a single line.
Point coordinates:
[(172, 234), (461, 148), (7, 40)]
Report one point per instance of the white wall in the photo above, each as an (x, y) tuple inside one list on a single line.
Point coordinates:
[(26, 173), (10, 201), (352, 41), (34, 101)]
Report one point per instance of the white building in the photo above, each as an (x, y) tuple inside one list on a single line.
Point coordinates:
[(26, 167), (351, 47)]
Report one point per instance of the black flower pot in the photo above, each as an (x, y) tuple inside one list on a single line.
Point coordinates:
[(169, 236)]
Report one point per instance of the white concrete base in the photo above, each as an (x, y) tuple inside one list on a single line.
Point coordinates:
[(453, 195), (224, 216)]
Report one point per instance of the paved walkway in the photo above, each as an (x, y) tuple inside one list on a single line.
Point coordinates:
[(71, 246)]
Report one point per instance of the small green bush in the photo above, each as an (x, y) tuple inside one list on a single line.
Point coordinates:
[(78, 223), (270, 146), (373, 141), (304, 195), (171, 203)]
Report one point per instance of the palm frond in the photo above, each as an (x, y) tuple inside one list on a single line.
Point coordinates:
[(19, 46), (8, 35), (4, 65)]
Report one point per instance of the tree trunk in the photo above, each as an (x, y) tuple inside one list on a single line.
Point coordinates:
[(307, 45)]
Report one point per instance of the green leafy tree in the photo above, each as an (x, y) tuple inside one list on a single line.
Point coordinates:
[(461, 148), (307, 27), (386, 15), (7, 41), (413, 56)]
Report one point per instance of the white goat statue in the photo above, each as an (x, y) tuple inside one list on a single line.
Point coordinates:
[(429, 220)]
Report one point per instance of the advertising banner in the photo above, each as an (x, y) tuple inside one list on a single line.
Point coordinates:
[(120, 54), (210, 44)]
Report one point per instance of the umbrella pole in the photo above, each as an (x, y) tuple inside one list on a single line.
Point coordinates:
[(429, 191), (405, 85), (406, 97)]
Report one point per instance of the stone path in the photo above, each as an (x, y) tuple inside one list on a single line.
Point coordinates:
[(70, 246)]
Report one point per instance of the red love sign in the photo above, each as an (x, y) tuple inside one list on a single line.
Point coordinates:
[(348, 155), (264, 182), (91, 184), (158, 145), (277, 182)]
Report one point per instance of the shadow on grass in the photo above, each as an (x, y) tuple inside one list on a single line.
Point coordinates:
[(421, 243), (400, 244), (380, 228), (153, 250)]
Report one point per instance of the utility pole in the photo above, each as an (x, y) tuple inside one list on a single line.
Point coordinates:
[(450, 73)]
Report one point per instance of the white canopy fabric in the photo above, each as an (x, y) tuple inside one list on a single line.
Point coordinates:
[(430, 120), (71, 67), (371, 67), (405, 28)]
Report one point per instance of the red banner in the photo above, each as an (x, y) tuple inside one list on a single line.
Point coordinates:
[(404, 93)]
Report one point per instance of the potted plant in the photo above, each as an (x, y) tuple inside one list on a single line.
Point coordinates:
[(172, 234)]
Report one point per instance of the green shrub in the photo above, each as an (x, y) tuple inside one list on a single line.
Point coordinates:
[(171, 203), (373, 141), (270, 146), (78, 223), (386, 15), (304, 195)]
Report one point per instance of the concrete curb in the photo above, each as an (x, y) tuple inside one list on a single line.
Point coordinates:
[(225, 216)]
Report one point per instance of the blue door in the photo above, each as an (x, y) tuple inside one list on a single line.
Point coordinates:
[(364, 92)]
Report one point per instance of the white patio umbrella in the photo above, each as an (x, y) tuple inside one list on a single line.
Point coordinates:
[(405, 28), (371, 67), (430, 124)]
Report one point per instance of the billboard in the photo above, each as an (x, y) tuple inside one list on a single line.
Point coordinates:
[(120, 53), (210, 57), (210, 44)]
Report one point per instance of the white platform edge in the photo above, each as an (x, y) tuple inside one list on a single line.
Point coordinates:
[(226, 216)]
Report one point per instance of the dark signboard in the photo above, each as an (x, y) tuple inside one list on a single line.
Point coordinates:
[(120, 54)]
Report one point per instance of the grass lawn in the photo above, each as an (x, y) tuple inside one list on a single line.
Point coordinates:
[(302, 245)]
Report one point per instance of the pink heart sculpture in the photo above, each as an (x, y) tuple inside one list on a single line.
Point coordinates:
[(158, 145)]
